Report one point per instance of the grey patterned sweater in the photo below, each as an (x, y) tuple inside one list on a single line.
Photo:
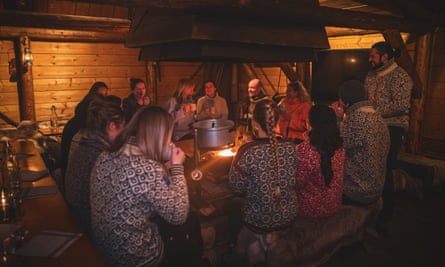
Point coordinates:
[(85, 147), (127, 189), (366, 141), (253, 172), (389, 90)]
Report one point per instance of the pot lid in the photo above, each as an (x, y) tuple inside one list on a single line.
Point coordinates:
[(213, 124)]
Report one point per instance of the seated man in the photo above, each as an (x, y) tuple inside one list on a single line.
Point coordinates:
[(366, 141)]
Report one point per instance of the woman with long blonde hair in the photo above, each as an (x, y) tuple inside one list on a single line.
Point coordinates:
[(182, 107), (140, 177)]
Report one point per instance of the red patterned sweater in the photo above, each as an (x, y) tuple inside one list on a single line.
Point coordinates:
[(315, 199)]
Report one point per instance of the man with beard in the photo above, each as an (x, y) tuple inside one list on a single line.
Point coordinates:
[(389, 90)]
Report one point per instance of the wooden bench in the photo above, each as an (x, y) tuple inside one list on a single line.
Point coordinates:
[(311, 242)]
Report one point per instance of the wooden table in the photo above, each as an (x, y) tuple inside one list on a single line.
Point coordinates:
[(50, 213)]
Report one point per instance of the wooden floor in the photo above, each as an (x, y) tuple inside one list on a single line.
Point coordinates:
[(416, 238)]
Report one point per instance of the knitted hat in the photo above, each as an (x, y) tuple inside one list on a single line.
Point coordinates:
[(352, 91)]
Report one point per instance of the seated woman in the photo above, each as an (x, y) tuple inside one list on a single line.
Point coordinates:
[(212, 105), (104, 121), (133, 182), (182, 108), (264, 170), (97, 91), (320, 165), (136, 99)]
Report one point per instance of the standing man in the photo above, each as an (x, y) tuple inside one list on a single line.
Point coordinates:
[(211, 106), (256, 93), (389, 90)]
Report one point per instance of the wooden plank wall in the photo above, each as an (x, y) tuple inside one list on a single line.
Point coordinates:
[(433, 138), (64, 72)]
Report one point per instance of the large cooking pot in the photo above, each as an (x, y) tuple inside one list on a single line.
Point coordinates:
[(215, 133)]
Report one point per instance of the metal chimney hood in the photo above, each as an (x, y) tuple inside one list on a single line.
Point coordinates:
[(221, 35)]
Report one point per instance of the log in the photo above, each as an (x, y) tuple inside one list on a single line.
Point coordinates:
[(57, 21), (25, 81)]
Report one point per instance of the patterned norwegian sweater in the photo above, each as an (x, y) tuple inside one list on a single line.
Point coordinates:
[(85, 147), (219, 104), (128, 189), (182, 120), (366, 141), (315, 199), (254, 172), (389, 90)]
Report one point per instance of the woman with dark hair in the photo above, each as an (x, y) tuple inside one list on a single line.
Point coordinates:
[(104, 121), (294, 109), (97, 91), (320, 165), (212, 105), (137, 98), (264, 171), (141, 176)]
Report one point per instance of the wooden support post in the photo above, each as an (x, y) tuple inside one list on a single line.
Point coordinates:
[(288, 70), (234, 88), (152, 81), (423, 66), (308, 76), (25, 86)]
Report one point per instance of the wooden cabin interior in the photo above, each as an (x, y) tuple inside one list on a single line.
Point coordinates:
[(75, 43), (52, 51)]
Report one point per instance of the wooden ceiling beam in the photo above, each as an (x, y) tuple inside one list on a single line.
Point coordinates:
[(60, 35), (179, 3), (410, 8), (65, 22)]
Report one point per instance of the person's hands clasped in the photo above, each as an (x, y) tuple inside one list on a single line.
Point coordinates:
[(178, 156)]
